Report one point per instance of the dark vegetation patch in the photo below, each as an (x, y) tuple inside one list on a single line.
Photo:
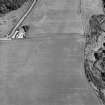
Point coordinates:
[(10, 5)]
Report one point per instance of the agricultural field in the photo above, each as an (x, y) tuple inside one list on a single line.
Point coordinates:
[(46, 69)]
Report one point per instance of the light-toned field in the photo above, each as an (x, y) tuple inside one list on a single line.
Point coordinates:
[(44, 71), (48, 68)]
